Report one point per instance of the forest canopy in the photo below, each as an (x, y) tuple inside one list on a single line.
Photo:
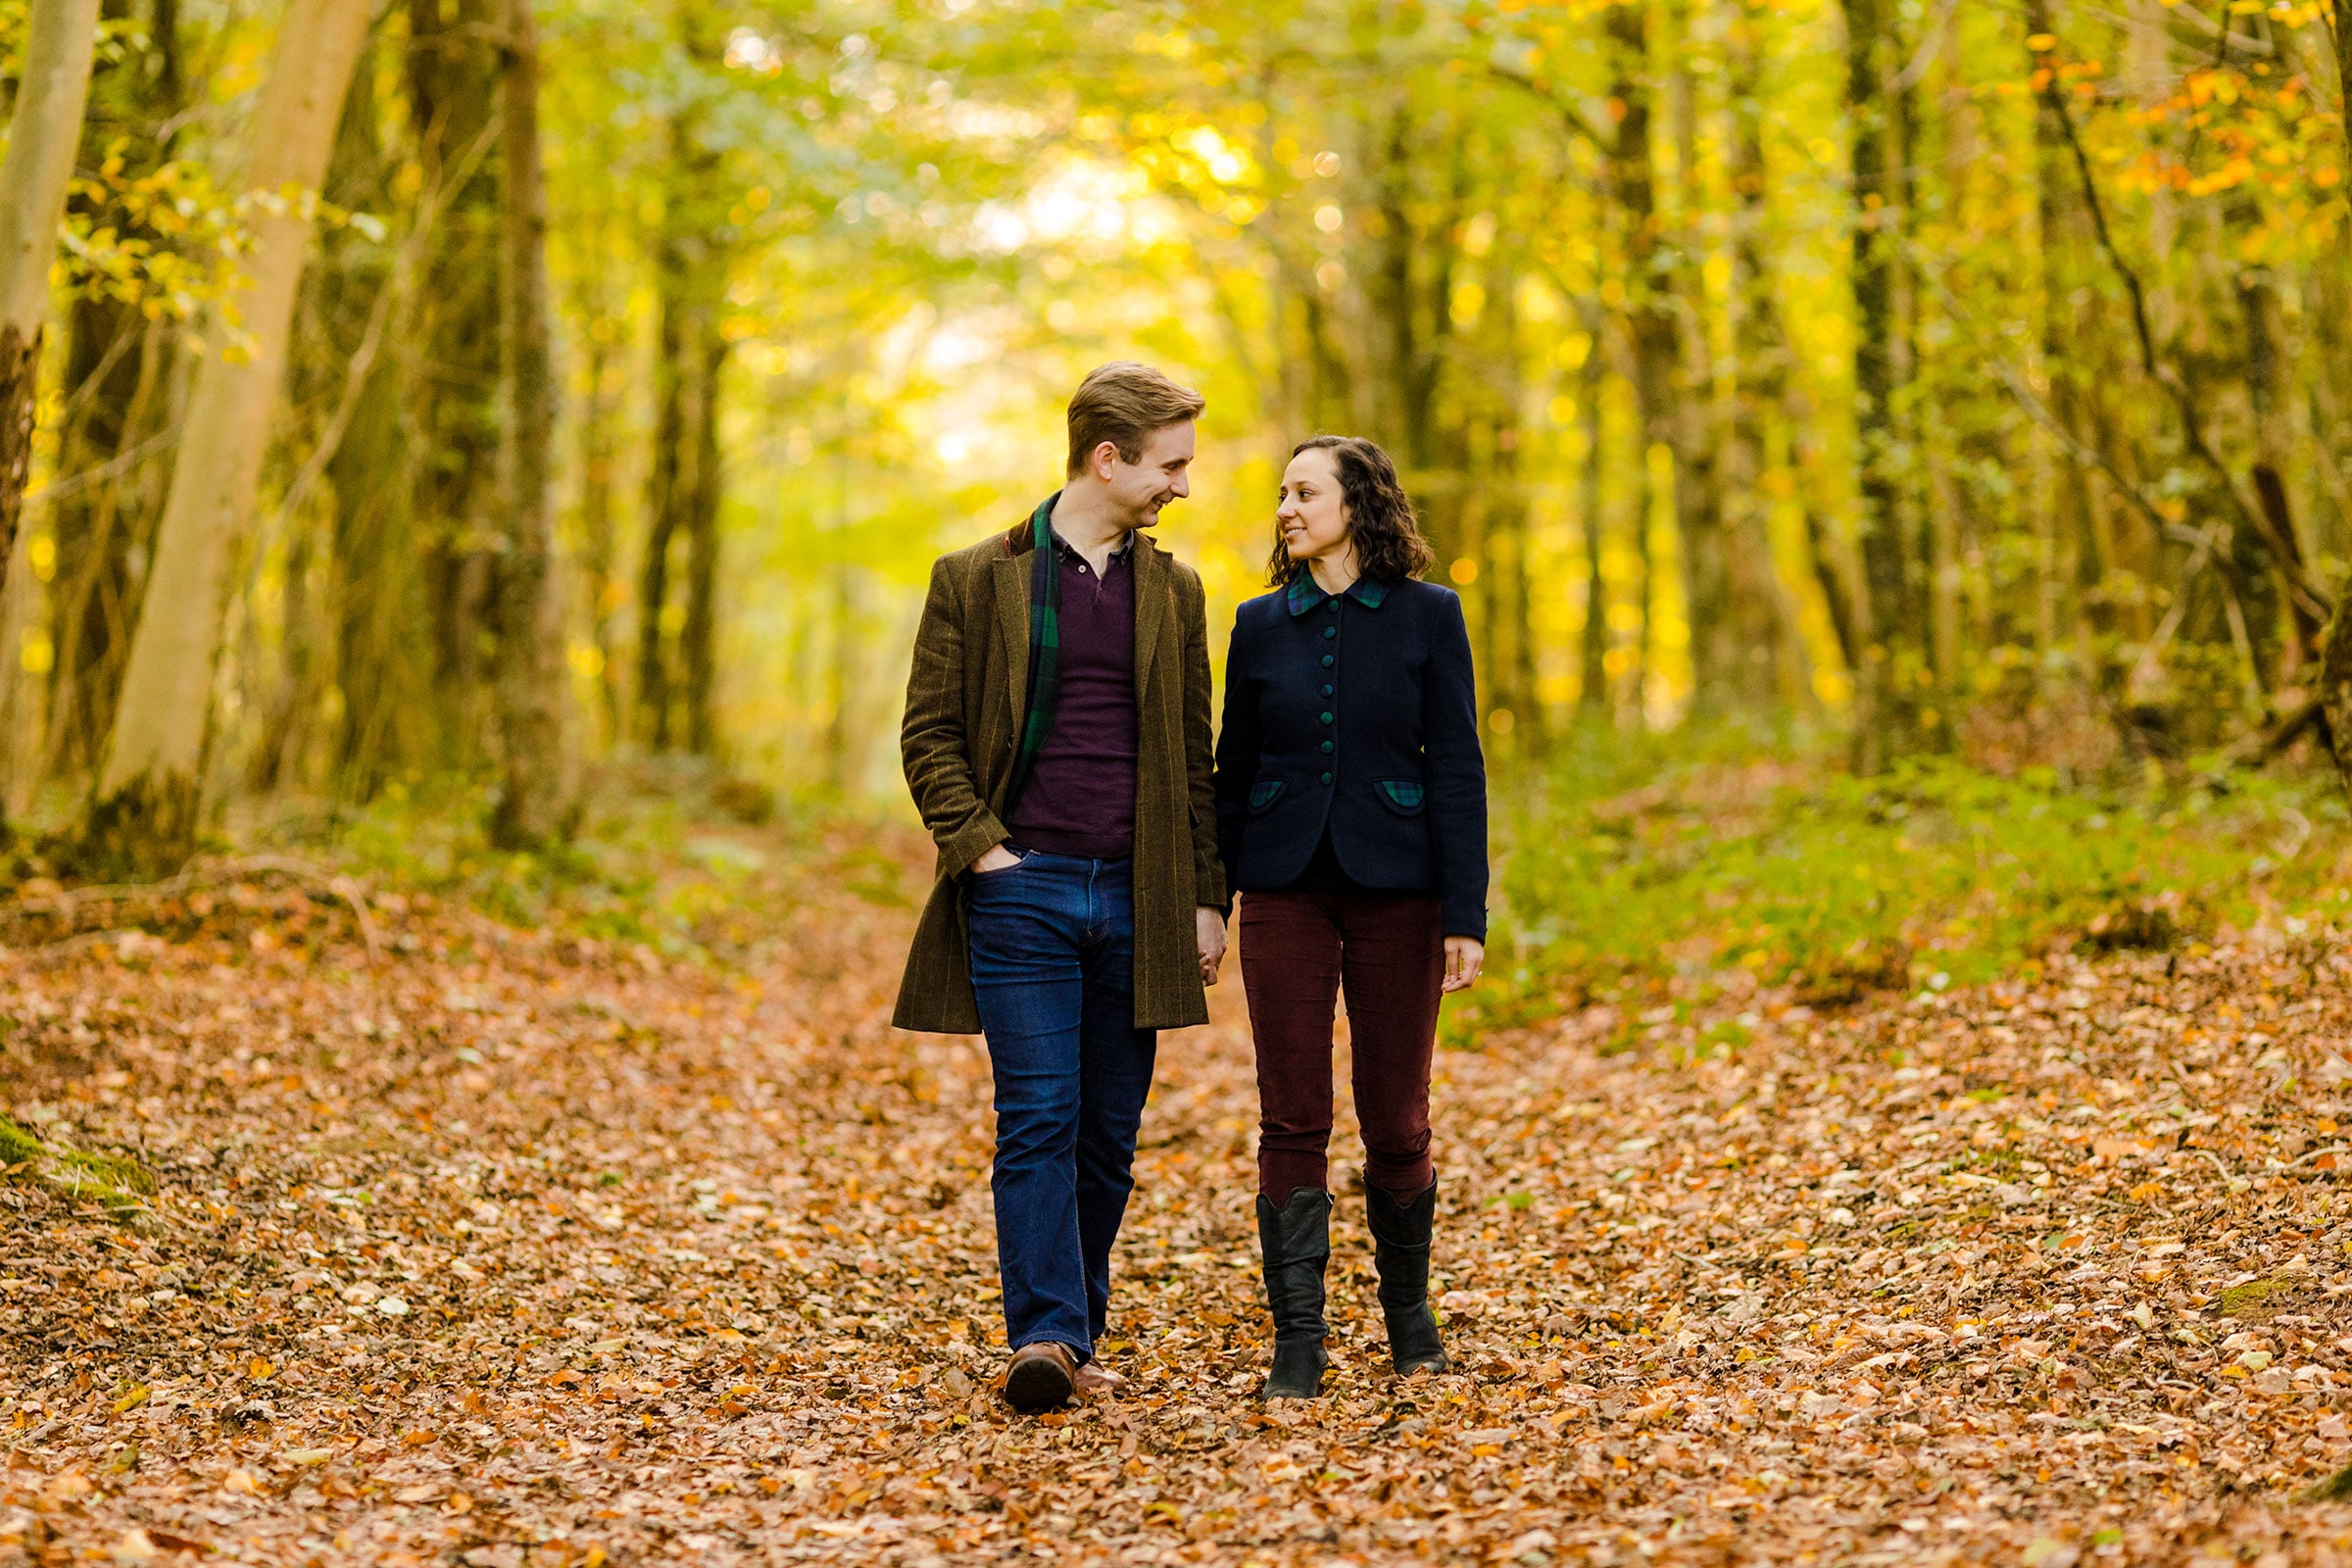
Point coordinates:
[(442, 388)]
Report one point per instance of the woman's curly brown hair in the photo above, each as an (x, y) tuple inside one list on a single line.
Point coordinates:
[(1388, 546)]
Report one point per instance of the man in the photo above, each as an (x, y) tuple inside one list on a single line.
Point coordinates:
[(1056, 740)]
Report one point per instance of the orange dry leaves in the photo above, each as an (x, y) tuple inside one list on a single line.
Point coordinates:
[(509, 1248)]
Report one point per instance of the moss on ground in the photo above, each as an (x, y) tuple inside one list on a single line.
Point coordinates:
[(18, 1147), (2254, 1299), (117, 1181)]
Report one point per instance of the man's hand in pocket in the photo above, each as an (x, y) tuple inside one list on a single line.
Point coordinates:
[(997, 859)]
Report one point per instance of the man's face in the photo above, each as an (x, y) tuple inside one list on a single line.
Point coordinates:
[(1140, 489)]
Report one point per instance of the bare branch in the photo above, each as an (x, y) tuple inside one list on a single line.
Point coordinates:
[(1577, 119), (2193, 425)]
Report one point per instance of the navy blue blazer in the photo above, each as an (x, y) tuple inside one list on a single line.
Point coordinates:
[(1358, 711)]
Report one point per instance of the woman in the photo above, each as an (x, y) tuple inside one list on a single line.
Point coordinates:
[(1351, 812)]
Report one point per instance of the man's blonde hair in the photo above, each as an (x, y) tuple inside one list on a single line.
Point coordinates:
[(1123, 403)]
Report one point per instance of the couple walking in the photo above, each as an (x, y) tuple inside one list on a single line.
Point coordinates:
[(1057, 740)]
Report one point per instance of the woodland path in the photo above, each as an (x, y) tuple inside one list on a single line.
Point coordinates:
[(533, 1247)]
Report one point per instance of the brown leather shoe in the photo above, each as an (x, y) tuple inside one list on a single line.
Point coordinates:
[(1042, 1376), (1095, 1378)]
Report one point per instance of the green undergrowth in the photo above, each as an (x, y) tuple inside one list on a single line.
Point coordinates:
[(1627, 864), (117, 1182), (2336, 1488), (669, 855)]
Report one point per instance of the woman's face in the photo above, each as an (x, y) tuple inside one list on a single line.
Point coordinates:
[(1312, 516)]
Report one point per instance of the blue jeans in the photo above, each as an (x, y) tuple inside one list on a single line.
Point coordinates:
[(1053, 947)]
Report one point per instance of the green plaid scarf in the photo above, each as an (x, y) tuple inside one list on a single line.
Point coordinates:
[(1044, 649)]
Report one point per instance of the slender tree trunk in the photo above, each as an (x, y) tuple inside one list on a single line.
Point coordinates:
[(283, 741), (2058, 498), (1395, 305), (1409, 322), (1957, 125), (2274, 443), (382, 666), (1504, 517), (364, 302), (698, 637), (682, 491), (1670, 416), (453, 74), (94, 599), (1719, 595), (841, 723), (531, 653), (144, 818), (1886, 571), (42, 135), (599, 571), (1762, 611), (2335, 666), (1592, 688), (661, 524)]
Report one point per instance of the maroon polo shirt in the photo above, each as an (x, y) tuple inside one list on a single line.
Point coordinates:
[(1080, 798)]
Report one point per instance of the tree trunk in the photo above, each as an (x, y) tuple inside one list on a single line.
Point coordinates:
[(840, 678), (530, 634), (453, 73), (1654, 330), (363, 306), (2274, 443), (1592, 691), (2335, 689), (118, 366), (682, 491), (1886, 568), (697, 638), (1498, 496), (143, 821), (2336, 671), (125, 362), (2057, 499), (1762, 615), (660, 526), (283, 741), (598, 569), (1948, 520), (1408, 320), (42, 135), (1720, 596)]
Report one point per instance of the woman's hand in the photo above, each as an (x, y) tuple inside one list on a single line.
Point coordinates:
[(1208, 927), (1463, 958)]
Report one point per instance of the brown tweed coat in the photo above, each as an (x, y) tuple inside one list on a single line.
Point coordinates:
[(963, 708)]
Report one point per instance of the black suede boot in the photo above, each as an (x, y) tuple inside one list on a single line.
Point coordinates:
[(1295, 1242), (1400, 1247)]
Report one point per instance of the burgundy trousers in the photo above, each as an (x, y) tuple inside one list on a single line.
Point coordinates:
[(1299, 950)]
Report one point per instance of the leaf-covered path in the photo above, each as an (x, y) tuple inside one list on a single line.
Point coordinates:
[(530, 1247)]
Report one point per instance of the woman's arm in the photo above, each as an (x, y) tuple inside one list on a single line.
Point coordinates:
[(1237, 756), (1455, 771)]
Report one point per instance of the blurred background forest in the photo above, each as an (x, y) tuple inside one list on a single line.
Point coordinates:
[(468, 395)]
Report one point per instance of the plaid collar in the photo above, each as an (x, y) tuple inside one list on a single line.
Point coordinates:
[(1037, 527), (1305, 594)]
